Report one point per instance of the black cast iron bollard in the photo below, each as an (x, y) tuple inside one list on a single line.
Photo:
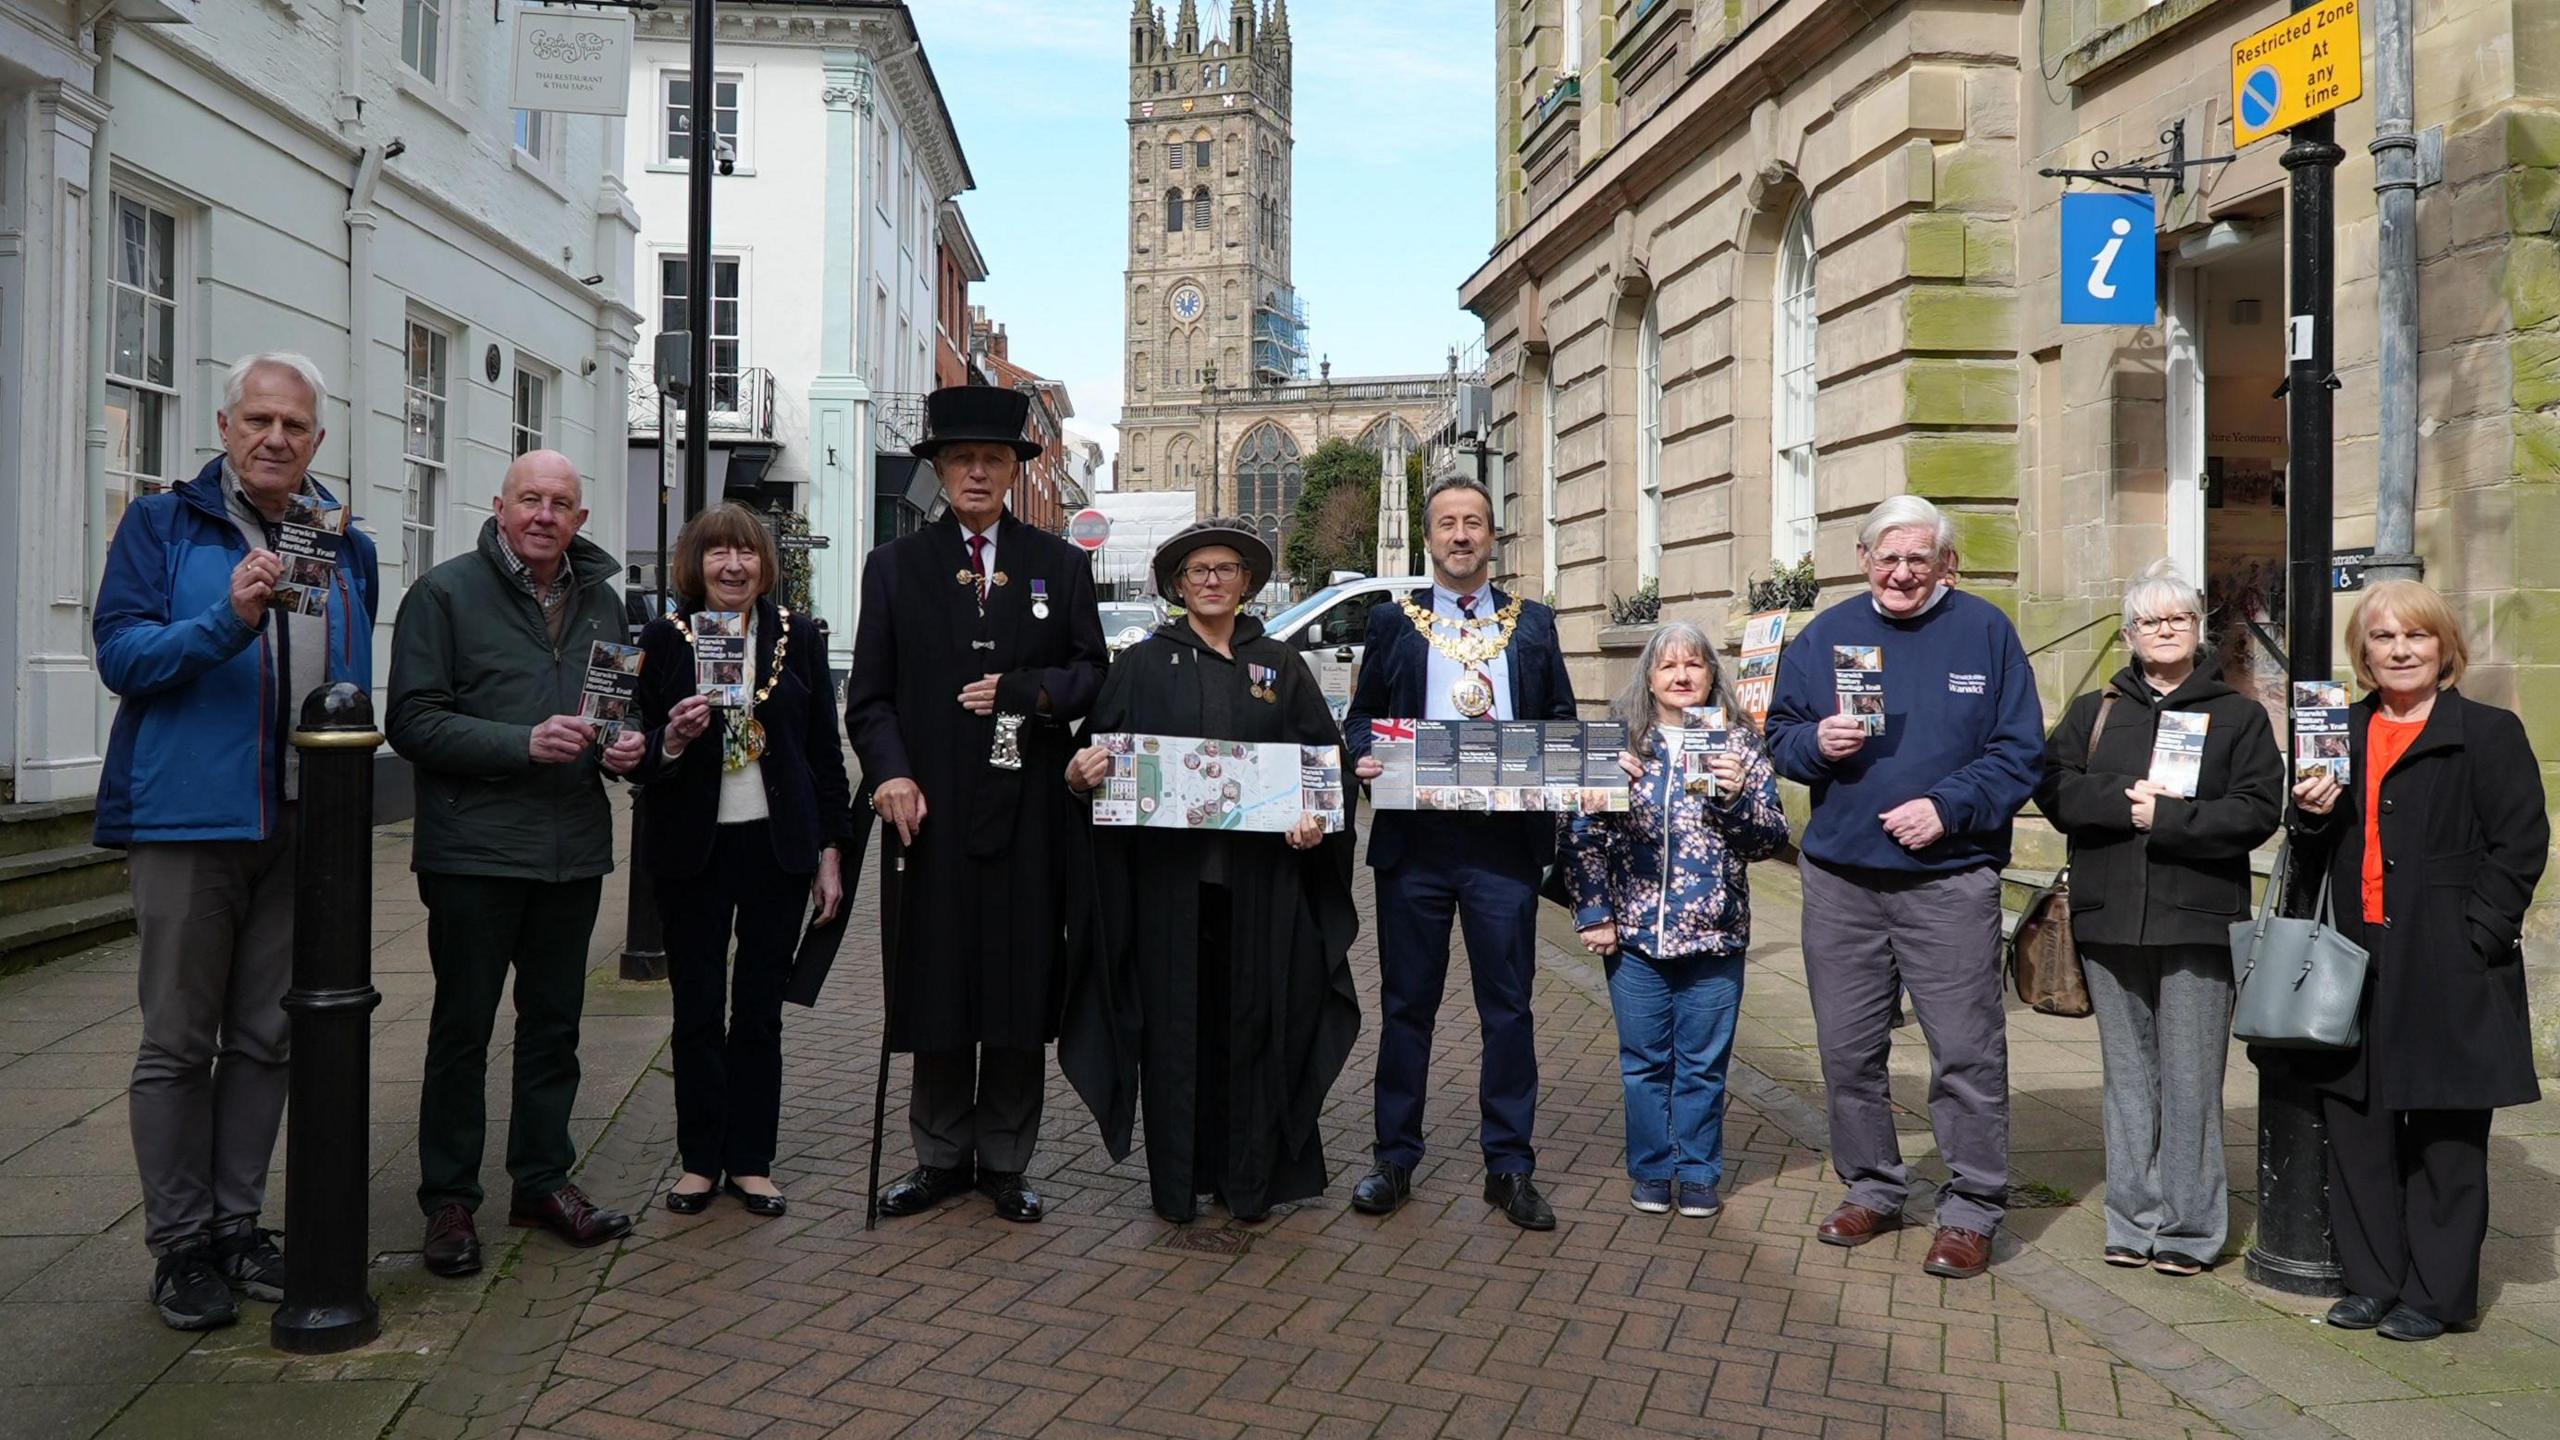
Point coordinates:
[(327, 1304), (644, 948)]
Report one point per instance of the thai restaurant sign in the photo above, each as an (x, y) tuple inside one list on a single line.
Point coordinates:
[(572, 62)]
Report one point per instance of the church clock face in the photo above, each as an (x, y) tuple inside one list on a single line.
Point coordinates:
[(1188, 303)]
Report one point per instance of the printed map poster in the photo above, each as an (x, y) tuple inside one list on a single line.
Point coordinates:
[(1763, 636), (1173, 783), (308, 541), (1858, 674), (2320, 741), (720, 657), (1484, 767), (610, 698), (2177, 751)]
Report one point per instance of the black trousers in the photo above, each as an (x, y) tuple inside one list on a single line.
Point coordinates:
[(2409, 1204), (480, 927), (729, 1077)]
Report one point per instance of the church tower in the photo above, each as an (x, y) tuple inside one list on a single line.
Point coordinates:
[(1209, 300)]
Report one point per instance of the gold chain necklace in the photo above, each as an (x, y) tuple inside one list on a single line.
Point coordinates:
[(1472, 642), (742, 743)]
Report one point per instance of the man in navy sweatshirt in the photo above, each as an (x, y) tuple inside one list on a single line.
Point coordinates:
[(1912, 713)]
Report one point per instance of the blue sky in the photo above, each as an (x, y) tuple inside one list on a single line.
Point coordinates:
[(1394, 175)]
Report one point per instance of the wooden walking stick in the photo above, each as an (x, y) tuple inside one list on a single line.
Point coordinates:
[(893, 905)]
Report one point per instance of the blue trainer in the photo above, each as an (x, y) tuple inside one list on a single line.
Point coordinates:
[(1698, 1201), (1653, 1197)]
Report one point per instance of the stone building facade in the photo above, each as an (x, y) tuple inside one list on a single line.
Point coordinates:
[(1217, 398), (1762, 264)]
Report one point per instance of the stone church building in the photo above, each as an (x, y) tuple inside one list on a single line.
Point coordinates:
[(1217, 395)]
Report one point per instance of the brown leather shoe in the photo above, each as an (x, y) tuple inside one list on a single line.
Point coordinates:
[(569, 1214), (453, 1242), (1958, 1254), (1856, 1225)]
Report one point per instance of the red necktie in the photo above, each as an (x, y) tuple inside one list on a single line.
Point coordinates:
[(1467, 606), (978, 562)]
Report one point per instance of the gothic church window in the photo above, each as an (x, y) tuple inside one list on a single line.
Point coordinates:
[(1172, 211), (1267, 473), (1173, 154), (1199, 209), (1200, 151)]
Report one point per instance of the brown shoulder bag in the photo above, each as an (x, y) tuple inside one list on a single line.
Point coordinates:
[(2044, 961)]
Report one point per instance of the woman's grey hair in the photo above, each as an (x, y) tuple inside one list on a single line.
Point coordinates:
[(1634, 701), (1903, 512), (237, 382), (2160, 592)]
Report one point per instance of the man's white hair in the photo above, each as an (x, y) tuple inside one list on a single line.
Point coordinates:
[(235, 384), (1906, 512), (2160, 592)]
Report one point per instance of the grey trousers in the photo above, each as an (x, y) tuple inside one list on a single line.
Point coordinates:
[(208, 1094), (2164, 1033), (1868, 935), (981, 1104)]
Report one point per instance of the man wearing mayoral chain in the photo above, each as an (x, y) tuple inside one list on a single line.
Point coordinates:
[(978, 646), (1458, 650)]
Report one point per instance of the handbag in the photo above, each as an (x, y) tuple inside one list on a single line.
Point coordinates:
[(2044, 960), (2301, 982)]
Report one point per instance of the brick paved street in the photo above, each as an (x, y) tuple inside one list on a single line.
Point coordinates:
[(1105, 1321), (1444, 1320)]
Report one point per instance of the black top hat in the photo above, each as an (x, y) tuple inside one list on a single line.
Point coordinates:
[(966, 414)]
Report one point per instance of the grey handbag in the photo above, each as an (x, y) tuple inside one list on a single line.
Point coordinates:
[(2301, 982)]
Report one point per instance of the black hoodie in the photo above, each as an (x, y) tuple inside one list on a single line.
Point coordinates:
[(2187, 879)]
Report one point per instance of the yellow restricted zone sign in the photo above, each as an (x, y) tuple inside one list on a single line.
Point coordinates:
[(2303, 66)]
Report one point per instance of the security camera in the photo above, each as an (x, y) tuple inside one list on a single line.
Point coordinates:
[(728, 154)]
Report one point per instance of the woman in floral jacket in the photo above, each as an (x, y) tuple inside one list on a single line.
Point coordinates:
[(1662, 893)]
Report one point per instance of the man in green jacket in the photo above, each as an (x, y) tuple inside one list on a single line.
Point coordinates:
[(514, 837)]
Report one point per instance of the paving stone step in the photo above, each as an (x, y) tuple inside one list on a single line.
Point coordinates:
[(29, 939), (46, 825), (38, 878)]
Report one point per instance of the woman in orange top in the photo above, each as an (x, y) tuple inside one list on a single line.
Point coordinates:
[(2441, 831)]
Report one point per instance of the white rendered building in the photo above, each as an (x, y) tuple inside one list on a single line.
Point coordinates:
[(190, 181), (823, 262)]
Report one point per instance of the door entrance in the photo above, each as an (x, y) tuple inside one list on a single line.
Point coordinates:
[(2227, 457)]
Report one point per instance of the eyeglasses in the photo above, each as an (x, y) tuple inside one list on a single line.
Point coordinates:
[(1222, 573), (1888, 564), (2178, 624)]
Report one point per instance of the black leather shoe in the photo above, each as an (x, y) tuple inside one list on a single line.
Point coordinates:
[(453, 1242), (1383, 1190), (691, 1202), (1519, 1199), (766, 1207), (921, 1189), (1014, 1197), (2404, 1323), (2358, 1312)]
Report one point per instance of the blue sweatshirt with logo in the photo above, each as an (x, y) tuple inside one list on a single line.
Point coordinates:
[(1963, 727)]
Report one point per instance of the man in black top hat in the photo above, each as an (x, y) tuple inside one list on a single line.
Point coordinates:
[(977, 645)]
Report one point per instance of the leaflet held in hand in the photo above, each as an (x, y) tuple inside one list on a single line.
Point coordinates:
[(720, 657), (610, 699), (1858, 674), (309, 541), (1489, 766), (2177, 751), (1763, 636), (1266, 787), (2320, 740), (1703, 736)]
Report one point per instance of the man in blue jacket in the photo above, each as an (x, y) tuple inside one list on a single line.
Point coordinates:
[(1912, 712), (1458, 649), (199, 788)]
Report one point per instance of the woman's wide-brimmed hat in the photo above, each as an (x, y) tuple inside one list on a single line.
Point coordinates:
[(1236, 535), (976, 414)]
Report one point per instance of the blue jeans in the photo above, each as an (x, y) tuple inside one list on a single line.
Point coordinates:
[(1675, 1040)]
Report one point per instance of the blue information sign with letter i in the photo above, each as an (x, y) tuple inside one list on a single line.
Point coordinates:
[(2109, 259)]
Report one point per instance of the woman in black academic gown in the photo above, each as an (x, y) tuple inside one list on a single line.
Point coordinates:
[(1214, 977)]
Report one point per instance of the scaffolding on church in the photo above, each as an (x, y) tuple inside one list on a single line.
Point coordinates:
[(1279, 337)]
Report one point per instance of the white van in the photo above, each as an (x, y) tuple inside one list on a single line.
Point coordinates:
[(1330, 629)]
